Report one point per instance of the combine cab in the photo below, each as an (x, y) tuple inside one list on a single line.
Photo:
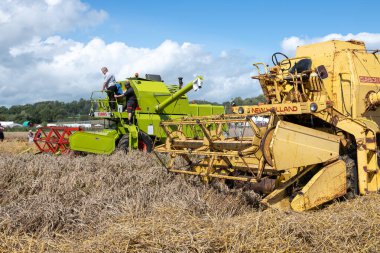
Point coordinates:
[(318, 135), (156, 102)]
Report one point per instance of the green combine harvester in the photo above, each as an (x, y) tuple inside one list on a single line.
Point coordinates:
[(157, 101)]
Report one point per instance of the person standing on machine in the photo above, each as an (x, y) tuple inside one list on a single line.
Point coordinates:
[(131, 99), (109, 85)]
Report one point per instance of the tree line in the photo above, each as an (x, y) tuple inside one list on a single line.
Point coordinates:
[(238, 101), (55, 111), (47, 111)]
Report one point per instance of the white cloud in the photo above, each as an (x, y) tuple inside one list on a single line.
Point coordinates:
[(4, 17), (21, 20), (37, 64), (42, 49), (372, 40), (60, 69), (290, 44), (24, 26), (53, 2)]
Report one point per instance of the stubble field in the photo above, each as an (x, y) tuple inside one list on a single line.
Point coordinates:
[(128, 203)]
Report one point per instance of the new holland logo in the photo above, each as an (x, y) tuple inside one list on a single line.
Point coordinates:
[(279, 109)]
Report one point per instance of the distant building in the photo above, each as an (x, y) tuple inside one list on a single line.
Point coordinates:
[(84, 125), (6, 123), (10, 124)]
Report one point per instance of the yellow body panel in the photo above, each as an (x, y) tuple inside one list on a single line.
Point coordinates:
[(328, 184), (292, 145), (353, 72)]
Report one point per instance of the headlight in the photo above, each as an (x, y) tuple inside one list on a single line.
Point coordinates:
[(313, 107), (241, 110)]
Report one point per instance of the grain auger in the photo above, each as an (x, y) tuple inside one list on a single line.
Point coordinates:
[(316, 139)]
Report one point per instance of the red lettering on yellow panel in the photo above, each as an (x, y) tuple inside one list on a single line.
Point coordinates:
[(369, 79)]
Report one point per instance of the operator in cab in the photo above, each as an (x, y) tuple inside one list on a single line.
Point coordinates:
[(131, 99)]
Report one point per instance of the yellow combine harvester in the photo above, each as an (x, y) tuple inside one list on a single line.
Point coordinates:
[(317, 138)]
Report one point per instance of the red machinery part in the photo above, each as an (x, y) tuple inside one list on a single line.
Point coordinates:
[(54, 139)]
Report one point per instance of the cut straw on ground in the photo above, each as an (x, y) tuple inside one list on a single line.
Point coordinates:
[(128, 203)]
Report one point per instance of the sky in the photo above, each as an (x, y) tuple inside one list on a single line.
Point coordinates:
[(54, 49)]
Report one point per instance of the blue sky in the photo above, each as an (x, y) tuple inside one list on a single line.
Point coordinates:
[(225, 24), (55, 48)]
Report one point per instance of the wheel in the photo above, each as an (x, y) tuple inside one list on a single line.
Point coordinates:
[(124, 143), (276, 62), (74, 153), (145, 142), (351, 177)]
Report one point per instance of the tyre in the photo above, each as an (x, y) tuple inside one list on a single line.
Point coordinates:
[(123, 143), (145, 142), (351, 177)]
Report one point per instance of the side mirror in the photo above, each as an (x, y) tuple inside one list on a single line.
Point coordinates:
[(322, 72)]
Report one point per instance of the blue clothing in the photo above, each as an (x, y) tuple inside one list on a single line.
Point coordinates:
[(119, 90)]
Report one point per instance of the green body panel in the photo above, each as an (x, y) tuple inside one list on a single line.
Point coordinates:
[(157, 101), (205, 110), (151, 93), (98, 143)]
